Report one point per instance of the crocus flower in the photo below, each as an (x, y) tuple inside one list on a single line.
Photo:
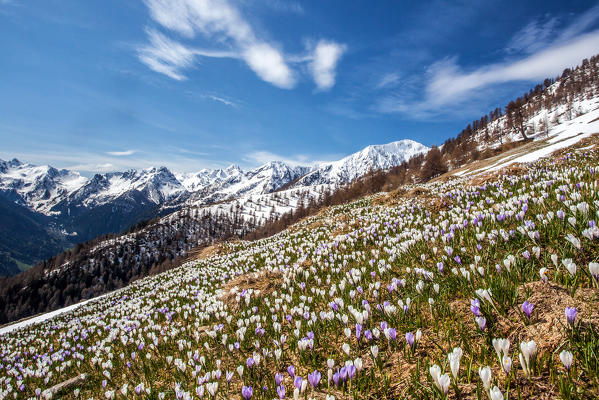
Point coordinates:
[(485, 376), (410, 339), (594, 270), (495, 394), (247, 392), (314, 378), (278, 378), (567, 359), (281, 391), (351, 371), (571, 315), (475, 307), (336, 377), (454, 361), (527, 308), (482, 322)]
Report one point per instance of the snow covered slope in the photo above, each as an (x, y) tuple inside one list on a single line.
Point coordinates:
[(373, 157), (559, 136)]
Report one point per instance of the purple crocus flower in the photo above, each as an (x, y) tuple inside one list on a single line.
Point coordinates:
[(458, 259), (250, 362), (571, 315), (281, 391), (314, 378), (278, 378), (343, 373), (297, 382), (336, 378), (410, 339), (482, 322), (358, 330), (475, 307), (351, 371), (291, 371), (392, 333), (247, 392), (527, 308), (440, 267)]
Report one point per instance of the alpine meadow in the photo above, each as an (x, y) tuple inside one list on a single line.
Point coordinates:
[(196, 204)]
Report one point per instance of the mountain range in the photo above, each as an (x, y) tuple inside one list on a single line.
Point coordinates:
[(52, 210)]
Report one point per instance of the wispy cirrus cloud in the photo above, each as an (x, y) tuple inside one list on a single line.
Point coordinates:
[(285, 6), (223, 100), (388, 80), (121, 153), (260, 157), (223, 24), (446, 84), (449, 82), (534, 36)]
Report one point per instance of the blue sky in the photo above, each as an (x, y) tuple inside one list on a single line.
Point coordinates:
[(109, 85)]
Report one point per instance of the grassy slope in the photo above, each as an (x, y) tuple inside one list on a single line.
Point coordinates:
[(379, 258)]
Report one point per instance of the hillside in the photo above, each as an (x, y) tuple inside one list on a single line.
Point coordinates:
[(260, 202), (73, 209), (456, 287)]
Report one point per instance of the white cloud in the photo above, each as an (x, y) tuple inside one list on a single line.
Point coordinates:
[(388, 80), (539, 50), (268, 63), (89, 163), (165, 56), (121, 153), (222, 100), (285, 6), (533, 37), (450, 83), (261, 157), (214, 19), (221, 22), (324, 61), (210, 17), (580, 25)]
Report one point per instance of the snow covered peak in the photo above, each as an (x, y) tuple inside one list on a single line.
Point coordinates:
[(233, 168), (43, 187), (198, 181), (158, 184), (4, 165), (405, 147), (373, 157), (39, 187)]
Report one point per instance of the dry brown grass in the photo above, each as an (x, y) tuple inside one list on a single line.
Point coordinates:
[(265, 282), (547, 326), (394, 197)]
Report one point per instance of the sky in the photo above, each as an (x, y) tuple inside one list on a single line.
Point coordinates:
[(99, 86)]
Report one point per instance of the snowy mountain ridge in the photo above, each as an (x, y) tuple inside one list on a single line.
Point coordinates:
[(49, 191)]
